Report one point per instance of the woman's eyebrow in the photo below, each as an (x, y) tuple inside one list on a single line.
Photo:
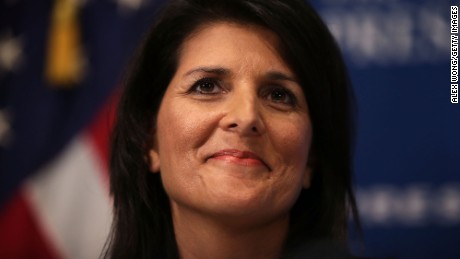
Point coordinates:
[(221, 71), (279, 76), (212, 70)]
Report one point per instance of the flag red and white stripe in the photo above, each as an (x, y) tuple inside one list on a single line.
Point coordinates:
[(64, 210)]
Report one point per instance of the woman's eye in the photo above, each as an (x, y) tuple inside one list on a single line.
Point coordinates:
[(206, 86), (281, 95)]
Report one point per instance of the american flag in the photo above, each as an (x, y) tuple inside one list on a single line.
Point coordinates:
[(60, 65)]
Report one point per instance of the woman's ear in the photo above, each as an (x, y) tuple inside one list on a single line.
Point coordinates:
[(307, 177), (308, 174), (154, 160), (154, 155)]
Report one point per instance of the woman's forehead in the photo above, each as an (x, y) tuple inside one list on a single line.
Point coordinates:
[(236, 47)]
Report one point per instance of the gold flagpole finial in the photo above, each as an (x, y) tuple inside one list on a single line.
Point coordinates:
[(64, 64)]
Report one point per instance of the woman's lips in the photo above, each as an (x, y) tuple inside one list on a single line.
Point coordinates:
[(245, 158)]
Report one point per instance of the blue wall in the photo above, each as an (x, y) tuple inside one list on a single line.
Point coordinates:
[(408, 146)]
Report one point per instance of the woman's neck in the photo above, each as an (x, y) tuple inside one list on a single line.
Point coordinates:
[(204, 237)]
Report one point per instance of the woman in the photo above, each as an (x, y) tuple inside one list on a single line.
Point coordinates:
[(232, 137)]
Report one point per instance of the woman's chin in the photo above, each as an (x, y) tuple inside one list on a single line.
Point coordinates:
[(239, 206), (239, 195)]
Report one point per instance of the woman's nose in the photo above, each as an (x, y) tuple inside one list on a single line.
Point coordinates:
[(243, 115)]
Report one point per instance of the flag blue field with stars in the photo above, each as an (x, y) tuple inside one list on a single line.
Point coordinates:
[(61, 63)]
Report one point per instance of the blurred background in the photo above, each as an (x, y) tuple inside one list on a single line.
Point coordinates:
[(61, 63)]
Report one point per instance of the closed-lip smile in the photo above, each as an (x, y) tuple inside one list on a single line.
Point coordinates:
[(246, 158)]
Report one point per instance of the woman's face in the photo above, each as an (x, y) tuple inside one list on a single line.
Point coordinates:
[(233, 130)]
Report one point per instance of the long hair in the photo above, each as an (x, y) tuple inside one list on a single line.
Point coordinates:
[(142, 225)]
